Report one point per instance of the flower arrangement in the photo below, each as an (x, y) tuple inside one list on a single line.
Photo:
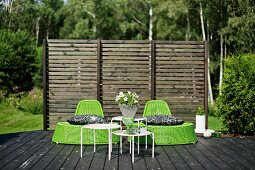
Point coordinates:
[(128, 98)]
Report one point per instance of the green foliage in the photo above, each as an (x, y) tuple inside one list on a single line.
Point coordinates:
[(27, 102), (200, 111), (236, 104), (37, 75), (240, 26), (17, 57), (212, 110)]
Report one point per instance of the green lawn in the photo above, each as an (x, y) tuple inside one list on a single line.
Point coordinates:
[(13, 120), (214, 123)]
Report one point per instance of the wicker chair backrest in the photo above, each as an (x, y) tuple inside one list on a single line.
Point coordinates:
[(156, 107), (89, 107)]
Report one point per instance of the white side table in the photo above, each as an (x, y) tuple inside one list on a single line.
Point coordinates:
[(122, 133), (136, 119), (101, 126)]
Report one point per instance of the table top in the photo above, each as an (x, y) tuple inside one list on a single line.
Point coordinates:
[(124, 133), (101, 126), (119, 118)]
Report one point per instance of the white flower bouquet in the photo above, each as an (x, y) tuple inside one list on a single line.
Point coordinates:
[(128, 98)]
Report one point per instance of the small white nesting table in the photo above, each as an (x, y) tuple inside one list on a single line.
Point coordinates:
[(95, 127), (122, 133), (136, 119)]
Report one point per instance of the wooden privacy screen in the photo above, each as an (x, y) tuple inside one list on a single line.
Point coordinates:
[(99, 69)]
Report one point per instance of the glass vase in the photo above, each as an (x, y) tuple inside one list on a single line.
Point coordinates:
[(128, 111)]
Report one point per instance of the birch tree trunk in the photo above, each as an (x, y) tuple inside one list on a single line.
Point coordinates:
[(9, 10), (37, 28), (188, 27), (221, 62), (151, 23), (210, 95)]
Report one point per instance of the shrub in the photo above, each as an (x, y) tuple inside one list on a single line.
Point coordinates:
[(17, 59), (27, 102), (236, 104), (212, 110)]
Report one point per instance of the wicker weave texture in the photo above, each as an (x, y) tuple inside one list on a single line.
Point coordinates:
[(156, 107), (173, 135), (66, 133), (89, 107)]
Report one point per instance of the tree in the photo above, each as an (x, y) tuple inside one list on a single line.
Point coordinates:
[(17, 58), (90, 19), (240, 26)]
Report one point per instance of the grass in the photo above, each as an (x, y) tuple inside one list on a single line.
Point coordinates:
[(215, 123), (13, 120)]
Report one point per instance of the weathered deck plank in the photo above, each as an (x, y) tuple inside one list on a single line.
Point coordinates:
[(233, 163), (20, 148), (26, 153), (34, 150)]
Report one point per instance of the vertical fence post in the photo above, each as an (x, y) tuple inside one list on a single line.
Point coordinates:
[(99, 57), (206, 83), (153, 69), (45, 85)]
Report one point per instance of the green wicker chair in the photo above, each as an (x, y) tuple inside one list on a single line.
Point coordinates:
[(168, 135), (66, 133)]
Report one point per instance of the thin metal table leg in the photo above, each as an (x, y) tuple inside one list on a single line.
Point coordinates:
[(120, 144), (110, 144), (138, 138), (152, 145), (81, 142), (130, 150), (133, 149), (94, 131), (146, 142)]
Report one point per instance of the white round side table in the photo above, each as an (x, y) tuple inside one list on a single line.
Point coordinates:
[(101, 126), (122, 133), (136, 119)]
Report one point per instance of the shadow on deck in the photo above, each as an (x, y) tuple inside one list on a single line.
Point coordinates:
[(34, 150)]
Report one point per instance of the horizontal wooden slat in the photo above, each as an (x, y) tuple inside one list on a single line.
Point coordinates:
[(125, 45), (188, 70), (180, 50), (66, 61), (180, 66), (126, 49), (75, 53), (125, 41), (72, 49), (68, 44), (79, 58), (125, 53), (125, 62), (126, 58), (76, 41), (181, 58), (180, 42), (165, 54)]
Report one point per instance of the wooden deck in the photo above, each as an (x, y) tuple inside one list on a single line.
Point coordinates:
[(34, 150)]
